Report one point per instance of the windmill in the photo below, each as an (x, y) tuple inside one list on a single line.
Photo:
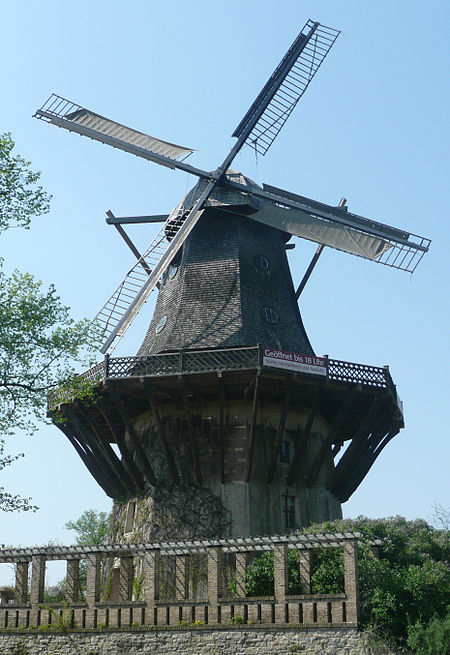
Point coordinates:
[(217, 294)]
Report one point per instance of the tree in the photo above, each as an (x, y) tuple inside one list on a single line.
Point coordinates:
[(91, 528), (404, 595), (39, 342)]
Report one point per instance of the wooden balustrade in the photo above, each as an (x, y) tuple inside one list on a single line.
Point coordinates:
[(141, 601)]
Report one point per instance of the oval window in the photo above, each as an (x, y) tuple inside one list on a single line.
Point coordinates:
[(173, 270), (161, 324), (269, 315), (262, 263)]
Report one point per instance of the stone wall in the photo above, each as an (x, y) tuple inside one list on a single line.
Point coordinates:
[(201, 641)]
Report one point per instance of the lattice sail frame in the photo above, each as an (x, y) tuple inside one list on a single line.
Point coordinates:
[(282, 91)]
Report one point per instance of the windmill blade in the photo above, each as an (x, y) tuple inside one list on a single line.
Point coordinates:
[(64, 113), (327, 233), (120, 310), (275, 103), (402, 249)]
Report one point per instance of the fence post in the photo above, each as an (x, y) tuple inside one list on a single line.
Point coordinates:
[(22, 582), (181, 577), (214, 575), (305, 571), (280, 578), (351, 579), (71, 591), (241, 568), (37, 586), (92, 586), (150, 569), (126, 575)]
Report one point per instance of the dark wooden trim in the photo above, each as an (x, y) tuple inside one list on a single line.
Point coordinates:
[(171, 465), (251, 441), (127, 458), (281, 427), (221, 427), (121, 472), (350, 457), (87, 458), (302, 441), (191, 436), (147, 469), (317, 464)]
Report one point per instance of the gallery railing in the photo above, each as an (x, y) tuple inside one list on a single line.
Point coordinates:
[(226, 359), (134, 593)]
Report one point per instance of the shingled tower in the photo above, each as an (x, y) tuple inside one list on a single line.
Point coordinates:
[(226, 422)]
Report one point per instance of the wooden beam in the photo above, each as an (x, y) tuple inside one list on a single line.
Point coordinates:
[(93, 448), (350, 457), (221, 426), (191, 436), (281, 428), (302, 441), (135, 441), (123, 448), (120, 470), (88, 460), (251, 442), (171, 465), (326, 445)]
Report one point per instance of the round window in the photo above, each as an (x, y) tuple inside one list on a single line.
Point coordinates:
[(262, 263), (161, 324), (173, 270), (269, 315)]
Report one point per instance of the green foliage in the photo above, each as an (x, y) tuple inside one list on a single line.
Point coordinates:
[(404, 595), (91, 528), (20, 198), (432, 638), (39, 342)]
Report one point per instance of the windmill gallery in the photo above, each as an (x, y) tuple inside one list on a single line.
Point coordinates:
[(226, 423)]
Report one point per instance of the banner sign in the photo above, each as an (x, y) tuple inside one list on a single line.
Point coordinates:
[(294, 361)]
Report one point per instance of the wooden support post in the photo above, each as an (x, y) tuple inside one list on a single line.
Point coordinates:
[(281, 428), (251, 442), (304, 562), (21, 588), (173, 471), (241, 568), (351, 580), (142, 458), (118, 471), (181, 577), (92, 586), (222, 427), (120, 441), (214, 577), (126, 575), (191, 436), (72, 587), (37, 586), (150, 570), (300, 446), (317, 464), (280, 578)]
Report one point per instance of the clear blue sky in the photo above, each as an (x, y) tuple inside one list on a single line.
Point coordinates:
[(372, 127)]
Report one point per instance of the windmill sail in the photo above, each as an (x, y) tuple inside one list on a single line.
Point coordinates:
[(73, 117), (278, 98), (328, 233)]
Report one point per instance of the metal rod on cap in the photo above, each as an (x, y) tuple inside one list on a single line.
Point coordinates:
[(314, 260)]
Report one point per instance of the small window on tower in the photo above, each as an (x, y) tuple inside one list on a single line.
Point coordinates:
[(161, 324), (288, 511), (173, 270), (284, 454), (129, 519), (269, 315), (262, 263)]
